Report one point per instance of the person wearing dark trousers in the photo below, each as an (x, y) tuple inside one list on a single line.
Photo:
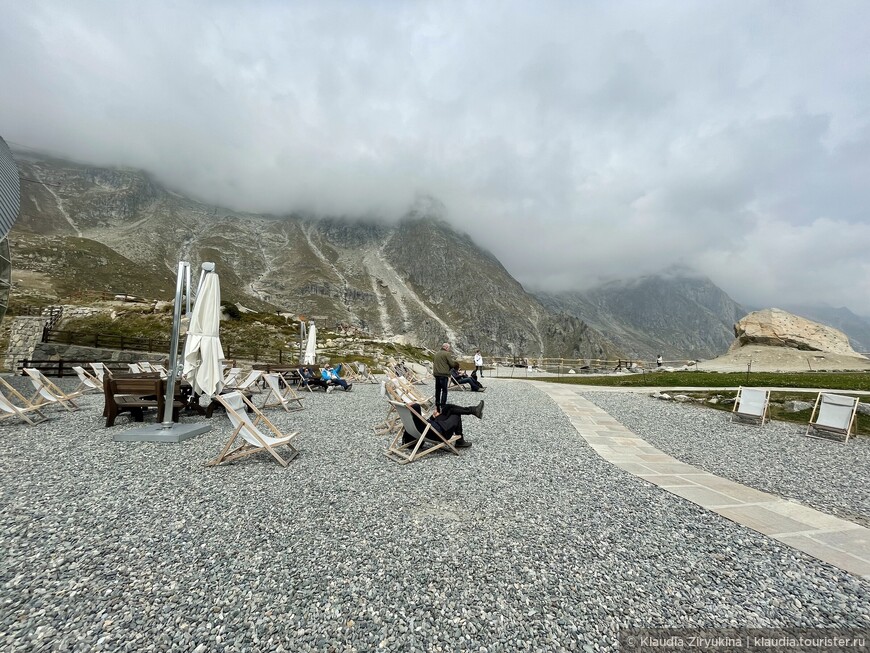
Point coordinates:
[(478, 363), (447, 421), (461, 377), (307, 379), (442, 363)]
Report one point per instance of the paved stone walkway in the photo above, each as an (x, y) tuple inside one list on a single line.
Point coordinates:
[(841, 543)]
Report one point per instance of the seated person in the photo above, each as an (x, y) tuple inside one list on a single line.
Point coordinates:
[(461, 377), (448, 421), (308, 379), (332, 379)]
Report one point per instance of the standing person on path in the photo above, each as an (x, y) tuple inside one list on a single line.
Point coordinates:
[(478, 362), (442, 363), (659, 361)]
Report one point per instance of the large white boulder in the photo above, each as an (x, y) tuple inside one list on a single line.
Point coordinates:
[(777, 328)]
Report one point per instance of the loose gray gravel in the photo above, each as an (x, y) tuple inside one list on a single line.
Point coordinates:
[(776, 458), (527, 542)]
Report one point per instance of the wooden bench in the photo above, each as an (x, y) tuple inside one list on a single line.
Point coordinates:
[(135, 394)]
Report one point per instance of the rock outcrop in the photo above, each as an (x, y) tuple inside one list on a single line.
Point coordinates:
[(776, 328)]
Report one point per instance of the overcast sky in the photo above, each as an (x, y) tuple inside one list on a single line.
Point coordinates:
[(577, 141)]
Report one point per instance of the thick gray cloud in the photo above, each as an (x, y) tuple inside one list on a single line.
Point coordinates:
[(577, 141)]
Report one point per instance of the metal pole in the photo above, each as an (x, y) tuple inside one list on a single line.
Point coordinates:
[(182, 276)]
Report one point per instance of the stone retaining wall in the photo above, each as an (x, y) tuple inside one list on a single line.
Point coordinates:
[(24, 335)]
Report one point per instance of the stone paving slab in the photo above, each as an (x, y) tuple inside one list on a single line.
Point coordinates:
[(836, 541)]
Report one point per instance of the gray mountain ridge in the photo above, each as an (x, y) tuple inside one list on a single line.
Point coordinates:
[(678, 314), (421, 281), (89, 228)]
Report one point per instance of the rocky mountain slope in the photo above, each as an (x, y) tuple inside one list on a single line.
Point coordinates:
[(87, 228), (677, 314)]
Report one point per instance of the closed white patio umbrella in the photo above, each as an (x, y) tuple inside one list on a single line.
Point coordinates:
[(311, 346), (203, 354)]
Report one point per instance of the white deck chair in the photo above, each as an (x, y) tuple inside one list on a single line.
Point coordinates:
[(836, 416), (22, 412), (134, 368), (409, 452), (232, 377), (283, 398), (99, 371), (87, 382), (155, 367), (365, 374), (145, 366), (250, 382), (48, 392), (751, 404), (253, 439)]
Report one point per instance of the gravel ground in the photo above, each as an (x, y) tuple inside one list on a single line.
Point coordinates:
[(775, 458), (526, 542)]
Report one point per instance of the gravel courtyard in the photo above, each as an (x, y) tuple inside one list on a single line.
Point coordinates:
[(528, 541)]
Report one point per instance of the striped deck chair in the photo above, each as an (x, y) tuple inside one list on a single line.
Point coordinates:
[(751, 405), (286, 397), (833, 417), (252, 438), (48, 392), (26, 412)]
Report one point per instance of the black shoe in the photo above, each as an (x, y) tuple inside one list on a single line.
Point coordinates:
[(463, 444), (478, 410)]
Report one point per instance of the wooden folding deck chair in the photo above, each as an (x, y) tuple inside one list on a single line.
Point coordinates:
[(88, 382), (26, 412), (134, 368), (833, 415), (48, 392), (100, 371), (232, 377), (397, 390), (252, 438), (751, 405), (249, 383), (422, 442), (286, 397), (364, 374)]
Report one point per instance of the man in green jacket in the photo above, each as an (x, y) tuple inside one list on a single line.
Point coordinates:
[(441, 366)]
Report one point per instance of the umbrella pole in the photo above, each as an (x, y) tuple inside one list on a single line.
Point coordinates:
[(183, 279), (167, 431)]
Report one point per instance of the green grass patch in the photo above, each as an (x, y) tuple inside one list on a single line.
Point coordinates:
[(827, 380), (777, 411)]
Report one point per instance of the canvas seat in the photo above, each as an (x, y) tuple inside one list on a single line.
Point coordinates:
[(422, 442), (833, 416), (48, 392), (100, 371), (134, 368), (88, 382), (397, 390), (285, 397), (232, 377), (364, 373), (26, 411), (251, 437), (751, 405), (249, 383)]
